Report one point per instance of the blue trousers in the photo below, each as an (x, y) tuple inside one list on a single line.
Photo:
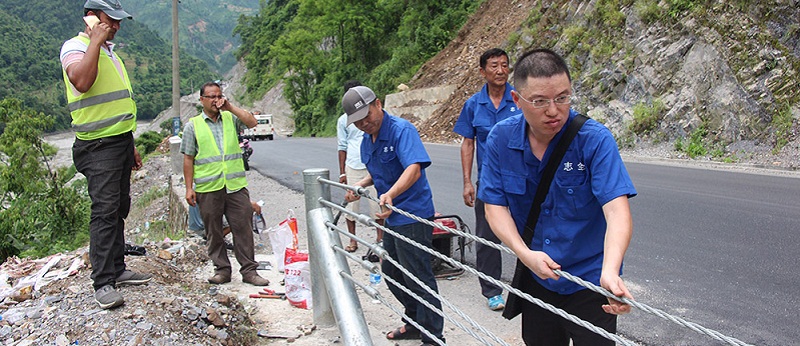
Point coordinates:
[(106, 163), (418, 262)]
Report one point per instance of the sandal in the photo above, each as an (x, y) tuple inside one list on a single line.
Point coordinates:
[(410, 333), (351, 247)]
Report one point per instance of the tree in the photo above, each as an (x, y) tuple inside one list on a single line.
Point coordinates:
[(39, 213)]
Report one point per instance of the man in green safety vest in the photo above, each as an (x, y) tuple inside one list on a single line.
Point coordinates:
[(99, 97), (213, 161)]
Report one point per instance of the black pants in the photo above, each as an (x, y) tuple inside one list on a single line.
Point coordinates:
[(417, 262), (543, 328), (106, 163)]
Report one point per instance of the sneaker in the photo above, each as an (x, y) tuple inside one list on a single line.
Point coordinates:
[(107, 297), (129, 277), (497, 303)]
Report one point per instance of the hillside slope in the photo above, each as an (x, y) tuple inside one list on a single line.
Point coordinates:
[(655, 73), (205, 29)]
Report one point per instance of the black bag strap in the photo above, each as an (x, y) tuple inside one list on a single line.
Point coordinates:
[(548, 174), (521, 275)]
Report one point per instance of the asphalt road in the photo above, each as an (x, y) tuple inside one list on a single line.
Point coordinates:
[(716, 247)]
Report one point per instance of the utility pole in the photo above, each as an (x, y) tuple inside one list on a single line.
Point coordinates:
[(176, 77)]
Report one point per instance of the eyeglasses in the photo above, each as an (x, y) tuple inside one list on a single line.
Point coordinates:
[(213, 96), (542, 103)]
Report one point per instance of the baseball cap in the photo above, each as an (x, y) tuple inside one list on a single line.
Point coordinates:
[(356, 103), (110, 7)]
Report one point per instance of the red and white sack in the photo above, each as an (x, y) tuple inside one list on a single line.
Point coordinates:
[(283, 236), (297, 279)]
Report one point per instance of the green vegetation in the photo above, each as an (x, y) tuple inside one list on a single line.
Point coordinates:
[(159, 229), (783, 123), (148, 142), (39, 213), (205, 26), (149, 196), (29, 62), (647, 117), (695, 146), (314, 46)]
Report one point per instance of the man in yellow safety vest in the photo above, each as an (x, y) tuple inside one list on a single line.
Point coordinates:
[(213, 162), (99, 97)]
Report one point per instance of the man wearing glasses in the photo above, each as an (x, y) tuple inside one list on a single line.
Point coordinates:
[(213, 161), (584, 226), (479, 114)]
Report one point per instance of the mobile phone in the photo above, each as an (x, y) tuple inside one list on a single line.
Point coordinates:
[(91, 21)]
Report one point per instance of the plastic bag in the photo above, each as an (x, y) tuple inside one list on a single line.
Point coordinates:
[(283, 236), (298, 279)]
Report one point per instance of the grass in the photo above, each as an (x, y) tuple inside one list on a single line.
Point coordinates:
[(151, 195), (782, 122), (647, 117), (159, 230)]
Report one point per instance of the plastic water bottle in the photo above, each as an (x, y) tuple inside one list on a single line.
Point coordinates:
[(375, 282)]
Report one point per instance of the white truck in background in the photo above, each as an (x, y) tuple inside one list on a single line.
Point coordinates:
[(263, 129)]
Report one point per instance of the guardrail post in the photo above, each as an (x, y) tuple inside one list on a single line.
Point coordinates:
[(335, 299)]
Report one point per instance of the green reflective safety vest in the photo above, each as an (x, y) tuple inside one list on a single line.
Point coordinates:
[(214, 171), (107, 109)]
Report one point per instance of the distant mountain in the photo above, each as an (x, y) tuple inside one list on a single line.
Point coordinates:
[(205, 26), (31, 71)]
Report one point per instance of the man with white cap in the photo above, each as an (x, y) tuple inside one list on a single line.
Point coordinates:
[(99, 97), (396, 160)]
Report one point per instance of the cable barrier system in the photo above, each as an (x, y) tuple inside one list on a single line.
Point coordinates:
[(330, 272)]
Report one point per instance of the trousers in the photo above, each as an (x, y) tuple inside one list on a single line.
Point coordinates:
[(418, 262), (106, 163), (239, 212)]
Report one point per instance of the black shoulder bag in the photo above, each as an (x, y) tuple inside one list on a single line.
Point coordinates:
[(521, 273)]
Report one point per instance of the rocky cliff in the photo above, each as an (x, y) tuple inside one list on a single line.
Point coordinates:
[(725, 72)]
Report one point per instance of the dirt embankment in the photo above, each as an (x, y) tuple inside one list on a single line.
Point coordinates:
[(458, 62)]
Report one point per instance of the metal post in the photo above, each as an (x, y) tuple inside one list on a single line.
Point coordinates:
[(176, 76), (335, 299)]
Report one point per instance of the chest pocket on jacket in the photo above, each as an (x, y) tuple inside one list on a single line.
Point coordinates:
[(514, 183), (482, 127), (573, 195), (387, 156)]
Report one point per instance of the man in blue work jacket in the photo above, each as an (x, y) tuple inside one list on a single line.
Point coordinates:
[(584, 226), (396, 160), (479, 114)]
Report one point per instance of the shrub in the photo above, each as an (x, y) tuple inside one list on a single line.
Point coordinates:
[(646, 117), (148, 142)]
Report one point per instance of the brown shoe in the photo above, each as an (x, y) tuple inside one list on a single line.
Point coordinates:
[(219, 278), (255, 279)]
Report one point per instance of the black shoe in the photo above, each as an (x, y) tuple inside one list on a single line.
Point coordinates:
[(135, 250), (228, 245)]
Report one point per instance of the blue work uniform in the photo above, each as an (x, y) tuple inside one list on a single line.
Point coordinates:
[(478, 117), (571, 227), (398, 146)]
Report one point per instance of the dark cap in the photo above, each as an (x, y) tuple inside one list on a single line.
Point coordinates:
[(356, 103), (110, 7)]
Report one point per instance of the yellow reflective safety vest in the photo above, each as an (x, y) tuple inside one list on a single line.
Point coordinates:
[(214, 170), (107, 109)]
